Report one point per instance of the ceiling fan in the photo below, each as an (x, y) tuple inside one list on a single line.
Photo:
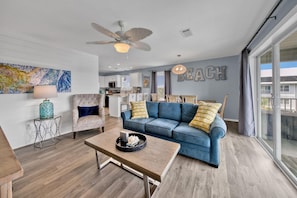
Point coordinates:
[(124, 40)]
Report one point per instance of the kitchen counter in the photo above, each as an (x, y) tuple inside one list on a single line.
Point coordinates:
[(115, 102)]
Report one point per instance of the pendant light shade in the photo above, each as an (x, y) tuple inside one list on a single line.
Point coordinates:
[(179, 69), (121, 47)]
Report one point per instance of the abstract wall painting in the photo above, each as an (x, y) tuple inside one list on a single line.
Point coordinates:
[(16, 78)]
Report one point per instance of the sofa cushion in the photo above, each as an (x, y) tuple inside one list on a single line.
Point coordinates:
[(183, 132), (137, 124), (161, 126), (205, 115), (139, 109), (188, 112), (85, 111), (170, 110), (152, 109)]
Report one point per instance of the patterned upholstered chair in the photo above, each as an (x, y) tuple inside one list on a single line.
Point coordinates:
[(154, 97), (87, 112), (189, 99), (125, 104), (173, 98), (222, 110)]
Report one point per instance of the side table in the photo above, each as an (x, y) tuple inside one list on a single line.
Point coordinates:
[(49, 127)]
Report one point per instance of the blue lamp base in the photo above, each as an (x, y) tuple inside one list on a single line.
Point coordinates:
[(46, 109)]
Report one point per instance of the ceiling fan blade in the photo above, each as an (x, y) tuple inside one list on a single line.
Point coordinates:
[(105, 31), (140, 45), (136, 34), (100, 42)]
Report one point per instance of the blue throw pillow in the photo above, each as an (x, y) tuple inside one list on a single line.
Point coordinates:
[(84, 111), (152, 109), (188, 112)]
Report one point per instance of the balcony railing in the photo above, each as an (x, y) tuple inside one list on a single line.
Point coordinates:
[(287, 105), (288, 109)]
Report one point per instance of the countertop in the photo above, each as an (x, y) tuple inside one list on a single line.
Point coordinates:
[(118, 95)]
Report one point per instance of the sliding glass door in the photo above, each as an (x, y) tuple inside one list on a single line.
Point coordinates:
[(266, 101), (288, 98), (277, 102)]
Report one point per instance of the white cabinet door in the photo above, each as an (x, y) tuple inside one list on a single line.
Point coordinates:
[(113, 78), (118, 81), (125, 80), (136, 79)]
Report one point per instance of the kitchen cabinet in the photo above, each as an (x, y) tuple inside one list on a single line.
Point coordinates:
[(136, 79), (115, 101), (115, 78)]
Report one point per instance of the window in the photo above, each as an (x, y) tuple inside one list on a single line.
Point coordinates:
[(161, 85), (284, 88), (266, 89)]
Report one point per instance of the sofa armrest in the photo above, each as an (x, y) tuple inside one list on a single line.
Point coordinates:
[(102, 113), (74, 118), (218, 123), (217, 131), (126, 115)]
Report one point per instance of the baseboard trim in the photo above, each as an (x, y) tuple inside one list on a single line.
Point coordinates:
[(231, 120)]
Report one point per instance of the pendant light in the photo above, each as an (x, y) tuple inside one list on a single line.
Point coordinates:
[(179, 68)]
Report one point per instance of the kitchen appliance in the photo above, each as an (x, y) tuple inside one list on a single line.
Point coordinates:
[(112, 84)]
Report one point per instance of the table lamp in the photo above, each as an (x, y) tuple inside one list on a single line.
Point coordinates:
[(46, 108)]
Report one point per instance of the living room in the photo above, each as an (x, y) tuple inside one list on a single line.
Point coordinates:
[(24, 48)]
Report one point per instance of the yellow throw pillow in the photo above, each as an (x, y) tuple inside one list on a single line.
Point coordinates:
[(205, 115), (139, 109)]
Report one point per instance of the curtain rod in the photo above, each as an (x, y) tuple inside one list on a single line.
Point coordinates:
[(269, 17)]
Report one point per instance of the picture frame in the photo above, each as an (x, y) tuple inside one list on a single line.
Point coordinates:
[(146, 82)]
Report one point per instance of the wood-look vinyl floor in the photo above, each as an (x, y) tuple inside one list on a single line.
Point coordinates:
[(68, 169)]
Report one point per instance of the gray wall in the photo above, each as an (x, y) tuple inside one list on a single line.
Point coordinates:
[(210, 88), (213, 89), (19, 110)]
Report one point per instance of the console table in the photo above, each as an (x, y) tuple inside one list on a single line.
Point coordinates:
[(47, 127), (10, 167)]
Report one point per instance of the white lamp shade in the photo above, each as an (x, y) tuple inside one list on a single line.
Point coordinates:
[(45, 91), (121, 47), (179, 69)]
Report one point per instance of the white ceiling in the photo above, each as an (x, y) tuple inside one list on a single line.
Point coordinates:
[(220, 28)]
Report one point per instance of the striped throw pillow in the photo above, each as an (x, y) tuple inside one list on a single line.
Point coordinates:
[(205, 115), (139, 109)]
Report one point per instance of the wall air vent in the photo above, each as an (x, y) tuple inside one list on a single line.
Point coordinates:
[(186, 32)]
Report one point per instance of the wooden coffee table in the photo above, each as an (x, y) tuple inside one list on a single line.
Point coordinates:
[(151, 163)]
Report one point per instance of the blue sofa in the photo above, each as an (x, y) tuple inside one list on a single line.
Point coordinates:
[(170, 121)]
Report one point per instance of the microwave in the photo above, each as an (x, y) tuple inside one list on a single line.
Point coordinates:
[(112, 84)]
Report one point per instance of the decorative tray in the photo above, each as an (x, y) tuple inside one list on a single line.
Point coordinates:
[(122, 146)]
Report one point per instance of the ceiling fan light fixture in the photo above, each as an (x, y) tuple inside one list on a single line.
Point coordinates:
[(179, 69), (121, 47)]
